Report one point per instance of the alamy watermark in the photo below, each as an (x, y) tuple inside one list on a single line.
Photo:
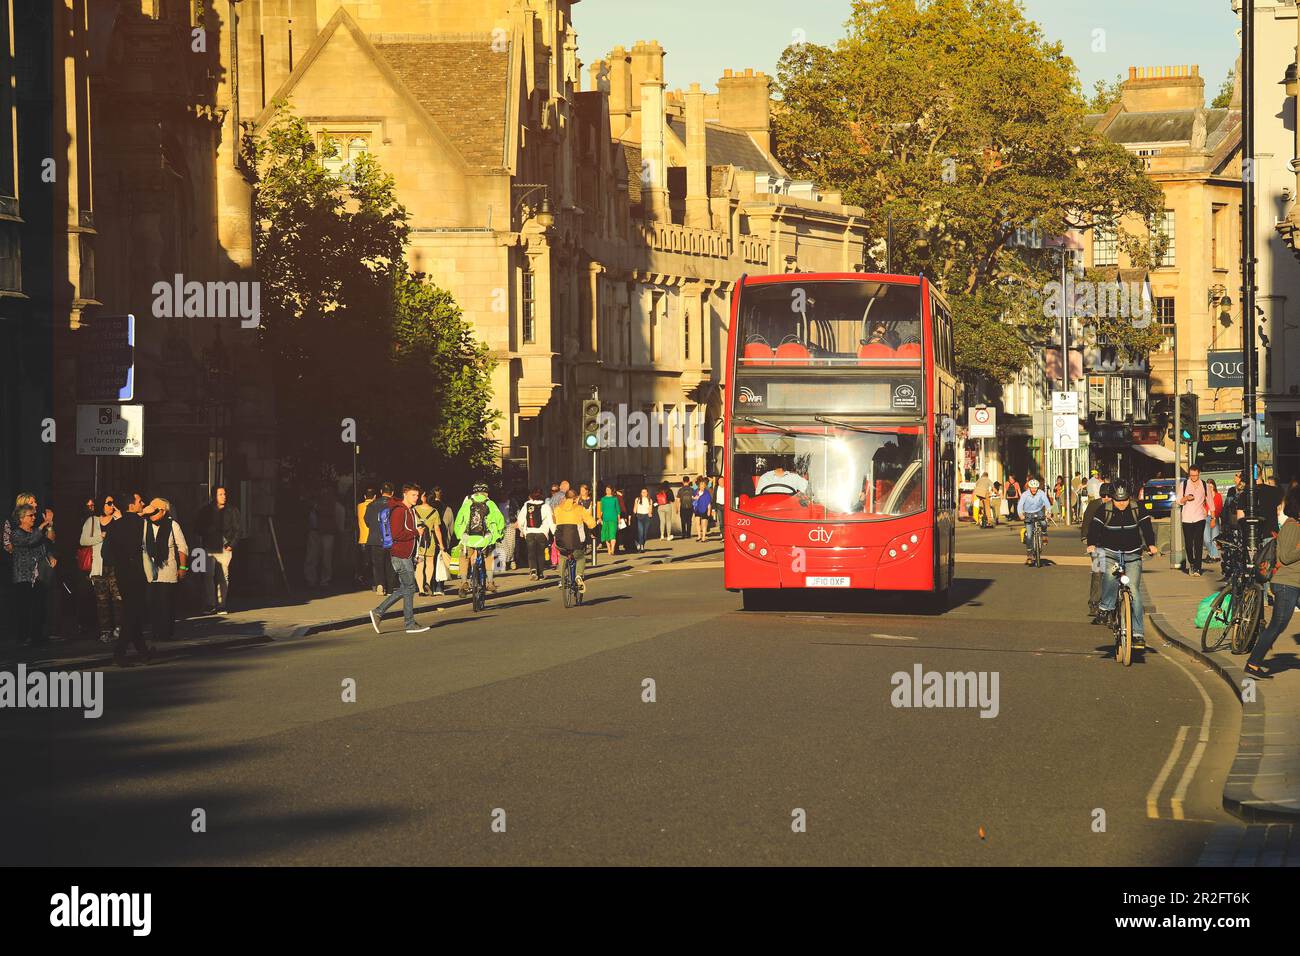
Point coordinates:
[(75, 908), (638, 429), (208, 300), (922, 688), (74, 690), (1112, 300)]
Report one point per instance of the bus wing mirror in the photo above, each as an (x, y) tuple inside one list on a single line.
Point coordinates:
[(715, 460)]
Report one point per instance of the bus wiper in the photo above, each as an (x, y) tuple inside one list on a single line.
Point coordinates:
[(759, 421), (851, 427)]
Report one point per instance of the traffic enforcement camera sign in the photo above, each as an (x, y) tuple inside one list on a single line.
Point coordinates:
[(982, 422), (1065, 431)]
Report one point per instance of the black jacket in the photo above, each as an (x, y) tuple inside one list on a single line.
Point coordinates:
[(218, 528), (1089, 513), (123, 549), (1121, 529)]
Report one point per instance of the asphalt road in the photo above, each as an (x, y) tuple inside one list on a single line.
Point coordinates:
[(532, 716)]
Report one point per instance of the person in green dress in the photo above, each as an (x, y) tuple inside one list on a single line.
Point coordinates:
[(609, 519)]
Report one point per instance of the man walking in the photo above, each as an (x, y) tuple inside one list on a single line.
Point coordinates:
[(1195, 507), (123, 545), (165, 564), (404, 530), (381, 566), (217, 528), (685, 505), (536, 525), (1095, 504), (363, 536)]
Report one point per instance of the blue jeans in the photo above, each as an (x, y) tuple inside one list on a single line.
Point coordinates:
[(1110, 584), (1032, 529), (642, 526), (1285, 599), (1211, 536), (405, 568)]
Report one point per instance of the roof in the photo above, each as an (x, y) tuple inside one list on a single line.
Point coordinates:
[(462, 84), (1170, 126), (632, 154), (725, 146)]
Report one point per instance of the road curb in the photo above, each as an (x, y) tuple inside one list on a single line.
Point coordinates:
[(1239, 798)]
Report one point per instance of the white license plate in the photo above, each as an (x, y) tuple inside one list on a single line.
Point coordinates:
[(826, 582)]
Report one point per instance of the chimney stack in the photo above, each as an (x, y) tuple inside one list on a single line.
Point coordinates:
[(1151, 89), (620, 91), (654, 168), (697, 170), (744, 103)]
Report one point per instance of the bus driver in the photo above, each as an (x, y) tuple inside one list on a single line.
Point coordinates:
[(779, 480)]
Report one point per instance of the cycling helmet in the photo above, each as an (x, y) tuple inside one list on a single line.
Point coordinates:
[(480, 488), (1119, 492), (1033, 484)]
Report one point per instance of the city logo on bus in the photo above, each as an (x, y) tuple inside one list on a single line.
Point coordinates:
[(820, 534), (747, 396)]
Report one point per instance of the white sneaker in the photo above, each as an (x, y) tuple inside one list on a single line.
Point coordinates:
[(374, 621), (417, 630)]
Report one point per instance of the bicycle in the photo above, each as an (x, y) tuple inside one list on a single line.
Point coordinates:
[(569, 579), (1237, 610), (478, 580), (1121, 620), (1037, 530)]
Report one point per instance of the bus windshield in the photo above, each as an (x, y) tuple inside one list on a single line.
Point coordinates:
[(830, 322), (821, 473)]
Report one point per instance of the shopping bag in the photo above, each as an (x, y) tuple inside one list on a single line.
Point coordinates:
[(1220, 617), (555, 555), (440, 572)]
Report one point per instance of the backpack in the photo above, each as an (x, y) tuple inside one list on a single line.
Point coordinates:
[(1266, 558), (533, 515), (385, 527), (477, 524), (661, 498)]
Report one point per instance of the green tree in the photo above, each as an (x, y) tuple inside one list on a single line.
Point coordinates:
[(959, 120), (1104, 95), (1223, 98), (350, 333)]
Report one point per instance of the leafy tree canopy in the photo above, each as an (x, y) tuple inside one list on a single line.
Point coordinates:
[(353, 334), (962, 122)]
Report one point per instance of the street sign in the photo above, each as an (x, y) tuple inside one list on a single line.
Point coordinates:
[(106, 359), (982, 422), (1065, 403), (1065, 431), (1225, 369), (110, 430)]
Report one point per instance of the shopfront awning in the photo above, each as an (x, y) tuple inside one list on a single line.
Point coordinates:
[(1158, 452)]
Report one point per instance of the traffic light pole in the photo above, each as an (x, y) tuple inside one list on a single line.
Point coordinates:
[(595, 495), (1251, 372)]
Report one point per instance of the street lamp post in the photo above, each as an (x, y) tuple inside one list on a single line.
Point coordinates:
[(1248, 261), (1176, 512)]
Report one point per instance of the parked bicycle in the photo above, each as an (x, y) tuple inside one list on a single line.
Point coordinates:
[(1238, 608)]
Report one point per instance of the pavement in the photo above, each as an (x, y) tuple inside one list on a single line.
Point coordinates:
[(1264, 783), (657, 724), (303, 616)]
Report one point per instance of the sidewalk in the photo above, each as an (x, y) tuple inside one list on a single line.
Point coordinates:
[(293, 616), (1264, 782)]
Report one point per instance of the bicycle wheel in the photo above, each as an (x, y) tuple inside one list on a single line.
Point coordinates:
[(1038, 549), (1124, 648), (1217, 615), (1252, 609), (570, 591), (480, 590)]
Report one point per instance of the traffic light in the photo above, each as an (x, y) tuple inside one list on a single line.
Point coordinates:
[(1189, 405), (591, 424)]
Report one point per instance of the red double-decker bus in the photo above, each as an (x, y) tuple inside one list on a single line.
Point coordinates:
[(840, 467)]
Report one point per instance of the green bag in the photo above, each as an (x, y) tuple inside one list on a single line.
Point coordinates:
[(1220, 618)]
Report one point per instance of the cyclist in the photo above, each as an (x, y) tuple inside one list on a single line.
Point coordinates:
[(1033, 508), (983, 494), (1121, 533), (479, 526), (569, 516)]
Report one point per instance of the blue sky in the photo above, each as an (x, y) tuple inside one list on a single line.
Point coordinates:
[(703, 37)]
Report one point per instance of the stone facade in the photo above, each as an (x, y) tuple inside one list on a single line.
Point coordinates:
[(592, 237)]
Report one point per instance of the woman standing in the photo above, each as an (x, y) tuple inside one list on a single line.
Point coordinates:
[(667, 504), (644, 509), (1058, 495), (609, 515), (103, 577), (1012, 494), (426, 547), (33, 568), (1213, 523)]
